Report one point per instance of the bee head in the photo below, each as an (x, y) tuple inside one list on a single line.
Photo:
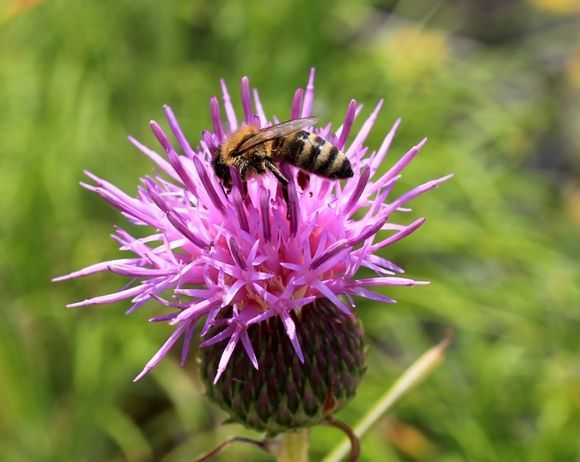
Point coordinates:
[(222, 171)]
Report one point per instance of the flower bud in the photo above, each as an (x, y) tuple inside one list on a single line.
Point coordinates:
[(284, 393)]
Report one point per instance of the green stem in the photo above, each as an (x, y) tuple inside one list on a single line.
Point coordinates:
[(293, 446)]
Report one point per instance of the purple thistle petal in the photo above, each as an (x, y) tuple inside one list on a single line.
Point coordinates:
[(176, 220), (153, 286), (348, 121), (162, 352), (230, 112), (198, 293), (96, 268), (381, 265), (137, 271), (253, 252), (362, 292), (308, 95), (358, 190), (209, 140), (249, 349), (126, 207), (235, 251), (370, 231), (233, 291), (262, 317), (321, 248), (335, 262), (379, 270), (227, 354), (237, 182), (219, 337), (324, 290), (297, 103), (164, 302), (364, 132), (260, 109), (299, 303), (265, 213), (210, 320), (186, 348), (161, 137), (216, 117), (241, 214), (165, 166), (130, 202), (291, 332), (387, 281), (268, 298), (176, 129), (256, 122), (197, 310), (399, 235), (324, 132), (330, 252), (336, 135), (413, 193), (379, 201), (211, 191), (379, 156), (173, 157), (164, 317), (291, 266), (246, 100), (406, 159), (110, 298), (128, 242)]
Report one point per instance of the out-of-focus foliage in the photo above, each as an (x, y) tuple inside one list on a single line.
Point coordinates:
[(495, 86)]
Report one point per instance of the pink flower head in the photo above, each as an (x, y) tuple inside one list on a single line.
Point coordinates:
[(233, 259)]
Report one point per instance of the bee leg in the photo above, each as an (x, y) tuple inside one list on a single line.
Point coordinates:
[(277, 173), (283, 182), (243, 169)]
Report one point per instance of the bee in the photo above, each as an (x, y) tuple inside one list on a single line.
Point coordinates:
[(256, 151)]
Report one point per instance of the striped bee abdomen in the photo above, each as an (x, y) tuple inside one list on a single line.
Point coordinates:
[(314, 154)]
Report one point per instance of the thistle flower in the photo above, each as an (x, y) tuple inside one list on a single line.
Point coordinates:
[(230, 261)]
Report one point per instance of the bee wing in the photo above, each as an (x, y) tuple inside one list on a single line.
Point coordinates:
[(277, 131)]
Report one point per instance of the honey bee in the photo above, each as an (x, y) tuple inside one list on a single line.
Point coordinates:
[(256, 151)]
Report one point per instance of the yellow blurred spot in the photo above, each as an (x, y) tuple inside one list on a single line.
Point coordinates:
[(15, 7), (572, 200), (412, 53), (557, 6), (573, 70), (409, 440)]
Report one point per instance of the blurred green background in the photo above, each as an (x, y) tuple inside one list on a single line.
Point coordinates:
[(495, 85)]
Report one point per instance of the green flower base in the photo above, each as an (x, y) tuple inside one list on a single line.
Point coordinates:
[(285, 394)]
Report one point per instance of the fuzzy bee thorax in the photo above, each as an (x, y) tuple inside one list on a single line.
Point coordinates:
[(229, 149)]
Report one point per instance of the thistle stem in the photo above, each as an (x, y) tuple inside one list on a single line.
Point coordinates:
[(293, 446)]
